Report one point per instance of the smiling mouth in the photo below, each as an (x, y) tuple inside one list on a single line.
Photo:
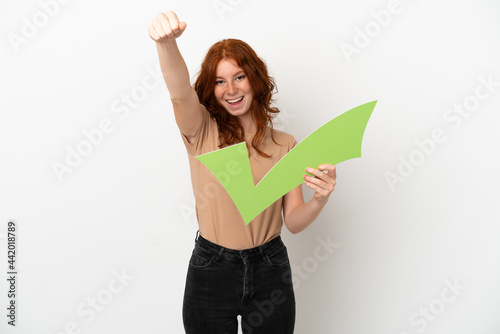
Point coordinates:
[(235, 101)]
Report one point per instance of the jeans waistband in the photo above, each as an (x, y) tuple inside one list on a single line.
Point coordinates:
[(267, 247)]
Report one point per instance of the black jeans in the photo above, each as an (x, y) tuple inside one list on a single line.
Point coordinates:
[(223, 283)]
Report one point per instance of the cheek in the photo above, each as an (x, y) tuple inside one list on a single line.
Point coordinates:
[(250, 95), (218, 93), (248, 89)]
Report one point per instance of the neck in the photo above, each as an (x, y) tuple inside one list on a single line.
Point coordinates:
[(248, 123)]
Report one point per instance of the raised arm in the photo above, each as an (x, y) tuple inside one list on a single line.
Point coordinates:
[(164, 29)]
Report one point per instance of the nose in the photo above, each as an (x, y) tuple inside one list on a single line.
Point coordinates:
[(231, 88)]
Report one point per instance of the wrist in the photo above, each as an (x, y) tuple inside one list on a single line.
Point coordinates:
[(319, 201), (166, 43)]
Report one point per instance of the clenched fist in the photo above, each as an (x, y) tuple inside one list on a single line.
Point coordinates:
[(165, 27)]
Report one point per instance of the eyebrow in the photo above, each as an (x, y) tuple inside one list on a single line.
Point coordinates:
[(237, 74)]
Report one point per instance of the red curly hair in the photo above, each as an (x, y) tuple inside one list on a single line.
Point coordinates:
[(262, 85)]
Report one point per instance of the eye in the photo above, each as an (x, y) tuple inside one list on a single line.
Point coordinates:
[(241, 77), (219, 82)]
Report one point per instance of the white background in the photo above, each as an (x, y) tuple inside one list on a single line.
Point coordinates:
[(127, 206)]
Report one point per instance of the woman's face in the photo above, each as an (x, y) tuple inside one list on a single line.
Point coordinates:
[(232, 88)]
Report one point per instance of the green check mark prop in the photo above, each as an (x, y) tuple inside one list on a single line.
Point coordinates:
[(336, 141)]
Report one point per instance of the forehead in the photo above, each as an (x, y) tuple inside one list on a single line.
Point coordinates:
[(227, 67)]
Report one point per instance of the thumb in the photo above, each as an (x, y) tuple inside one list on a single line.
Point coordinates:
[(182, 26)]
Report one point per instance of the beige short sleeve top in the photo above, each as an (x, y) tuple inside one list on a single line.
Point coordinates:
[(218, 218)]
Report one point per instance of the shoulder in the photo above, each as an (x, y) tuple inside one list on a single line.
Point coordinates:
[(206, 136)]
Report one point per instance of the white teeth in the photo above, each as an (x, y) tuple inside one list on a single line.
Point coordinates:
[(236, 100)]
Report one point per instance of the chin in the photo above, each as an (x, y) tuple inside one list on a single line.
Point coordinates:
[(237, 113)]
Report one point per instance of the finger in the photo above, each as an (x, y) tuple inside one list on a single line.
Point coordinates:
[(315, 172), (182, 26), (319, 175), (152, 33), (327, 167), (323, 188), (316, 180), (159, 27), (174, 22), (166, 25), (330, 170), (316, 188), (334, 173)]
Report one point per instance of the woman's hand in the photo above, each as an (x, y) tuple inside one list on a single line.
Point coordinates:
[(165, 27), (322, 183)]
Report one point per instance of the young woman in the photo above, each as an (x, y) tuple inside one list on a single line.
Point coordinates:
[(235, 269)]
